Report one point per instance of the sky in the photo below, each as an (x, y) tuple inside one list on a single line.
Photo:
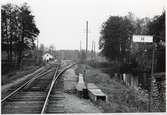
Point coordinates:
[(62, 23)]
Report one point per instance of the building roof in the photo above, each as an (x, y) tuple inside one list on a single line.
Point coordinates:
[(46, 55)]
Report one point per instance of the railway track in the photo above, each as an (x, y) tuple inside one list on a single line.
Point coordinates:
[(7, 92), (37, 94), (55, 101)]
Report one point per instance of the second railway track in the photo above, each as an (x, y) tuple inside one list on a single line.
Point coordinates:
[(38, 96), (55, 101)]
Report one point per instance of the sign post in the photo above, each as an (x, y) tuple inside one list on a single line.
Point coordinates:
[(143, 38), (147, 39)]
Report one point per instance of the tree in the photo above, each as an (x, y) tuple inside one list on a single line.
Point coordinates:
[(157, 29), (18, 30), (114, 40), (9, 27), (28, 31), (143, 52), (140, 25)]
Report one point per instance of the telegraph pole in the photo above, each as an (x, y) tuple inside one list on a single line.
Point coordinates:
[(37, 42), (37, 51), (80, 46), (147, 39), (94, 51), (86, 52), (86, 37), (152, 77)]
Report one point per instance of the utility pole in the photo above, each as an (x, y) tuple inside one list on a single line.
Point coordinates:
[(55, 52), (147, 39), (37, 42), (86, 37), (80, 46), (94, 51), (37, 51), (85, 70), (152, 77)]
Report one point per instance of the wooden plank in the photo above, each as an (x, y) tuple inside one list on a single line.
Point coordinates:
[(95, 92), (92, 86)]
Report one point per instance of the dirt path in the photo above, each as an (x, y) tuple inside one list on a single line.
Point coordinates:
[(72, 103)]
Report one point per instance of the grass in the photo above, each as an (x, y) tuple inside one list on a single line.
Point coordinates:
[(13, 75), (121, 97), (11, 72)]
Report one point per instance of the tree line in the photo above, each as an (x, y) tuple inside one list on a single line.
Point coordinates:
[(18, 32), (115, 41)]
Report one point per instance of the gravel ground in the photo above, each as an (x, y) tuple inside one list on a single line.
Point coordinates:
[(72, 103)]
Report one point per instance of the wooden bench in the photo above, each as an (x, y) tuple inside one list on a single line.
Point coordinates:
[(95, 93)]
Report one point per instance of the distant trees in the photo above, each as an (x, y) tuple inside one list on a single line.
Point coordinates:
[(52, 50), (116, 39), (18, 31), (42, 48)]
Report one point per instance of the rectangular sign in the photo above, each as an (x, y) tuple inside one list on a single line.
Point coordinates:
[(143, 38)]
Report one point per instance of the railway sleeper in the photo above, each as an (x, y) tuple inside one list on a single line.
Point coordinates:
[(55, 110)]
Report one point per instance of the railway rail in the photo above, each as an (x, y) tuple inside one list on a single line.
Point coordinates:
[(9, 90), (54, 100), (37, 94)]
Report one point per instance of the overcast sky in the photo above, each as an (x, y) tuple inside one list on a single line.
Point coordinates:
[(62, 23)]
